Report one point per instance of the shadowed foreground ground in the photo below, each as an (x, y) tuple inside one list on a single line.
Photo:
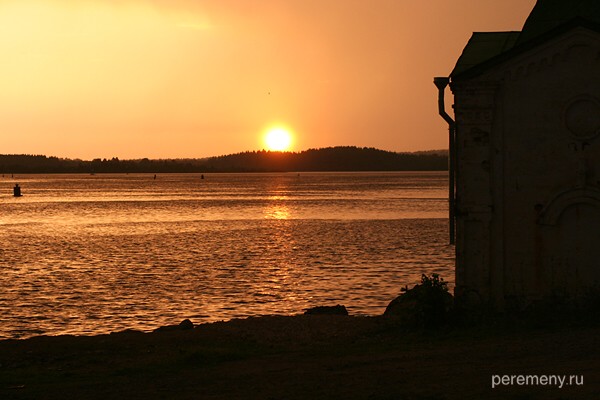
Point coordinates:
[(301, 357)]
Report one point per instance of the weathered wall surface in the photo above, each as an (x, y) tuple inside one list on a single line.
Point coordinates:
[(528, 173)]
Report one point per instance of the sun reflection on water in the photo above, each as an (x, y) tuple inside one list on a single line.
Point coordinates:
[(277, 211), (276, 208)]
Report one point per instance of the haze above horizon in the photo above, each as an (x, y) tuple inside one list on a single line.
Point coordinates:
[(185, 79)]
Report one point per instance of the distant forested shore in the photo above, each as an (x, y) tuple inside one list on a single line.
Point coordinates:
[(343, 158)]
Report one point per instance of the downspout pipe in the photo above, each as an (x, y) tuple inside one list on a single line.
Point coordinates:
[(441, 83)]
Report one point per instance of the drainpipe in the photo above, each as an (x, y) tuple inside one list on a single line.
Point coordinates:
[(441, 83)]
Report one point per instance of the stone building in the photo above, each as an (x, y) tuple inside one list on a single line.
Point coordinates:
[(525, 152)]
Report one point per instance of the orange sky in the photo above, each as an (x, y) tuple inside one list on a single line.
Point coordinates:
[(195, 78)]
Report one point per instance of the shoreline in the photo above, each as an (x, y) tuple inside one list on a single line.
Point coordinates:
[(298, 357)]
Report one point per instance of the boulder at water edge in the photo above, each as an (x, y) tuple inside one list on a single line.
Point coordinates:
[(327, 310), (182, 326)]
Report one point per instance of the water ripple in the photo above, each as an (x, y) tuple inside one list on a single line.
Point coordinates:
[(95, 266)]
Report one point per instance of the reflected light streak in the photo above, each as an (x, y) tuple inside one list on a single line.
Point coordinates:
[(277, 211), (278, 198)]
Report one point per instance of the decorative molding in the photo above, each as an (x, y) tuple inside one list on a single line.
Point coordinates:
[(474, 115), (575, 50), (582, 117)]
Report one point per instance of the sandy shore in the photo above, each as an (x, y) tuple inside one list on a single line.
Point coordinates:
[(302, 357)]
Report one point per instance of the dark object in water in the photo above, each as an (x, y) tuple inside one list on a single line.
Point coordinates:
[(202, 176), (327, 310), (17, 191)]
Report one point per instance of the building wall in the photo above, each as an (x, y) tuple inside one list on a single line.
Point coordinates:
[(528, 173)]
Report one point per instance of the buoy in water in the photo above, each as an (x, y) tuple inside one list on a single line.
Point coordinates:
[(17, 191)]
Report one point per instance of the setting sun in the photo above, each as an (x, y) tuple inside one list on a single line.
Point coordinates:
[(278, 139)]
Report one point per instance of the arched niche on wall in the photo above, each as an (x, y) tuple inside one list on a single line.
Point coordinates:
[(569, 242), (551, 214)]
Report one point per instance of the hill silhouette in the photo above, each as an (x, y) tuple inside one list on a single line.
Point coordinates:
[(347, 158), (342, 158)]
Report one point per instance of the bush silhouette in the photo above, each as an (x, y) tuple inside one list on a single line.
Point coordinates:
[(427, 304)]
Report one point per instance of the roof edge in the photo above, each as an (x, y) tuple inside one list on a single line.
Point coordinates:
[(508, 39), (525, 46)]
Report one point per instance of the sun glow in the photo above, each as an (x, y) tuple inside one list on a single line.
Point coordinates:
[(278, 139)]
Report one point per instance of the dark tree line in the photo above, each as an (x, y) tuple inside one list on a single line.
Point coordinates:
[(10, 164), (347, 158)]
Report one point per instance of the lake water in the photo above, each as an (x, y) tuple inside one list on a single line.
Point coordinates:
[(89, 254)]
